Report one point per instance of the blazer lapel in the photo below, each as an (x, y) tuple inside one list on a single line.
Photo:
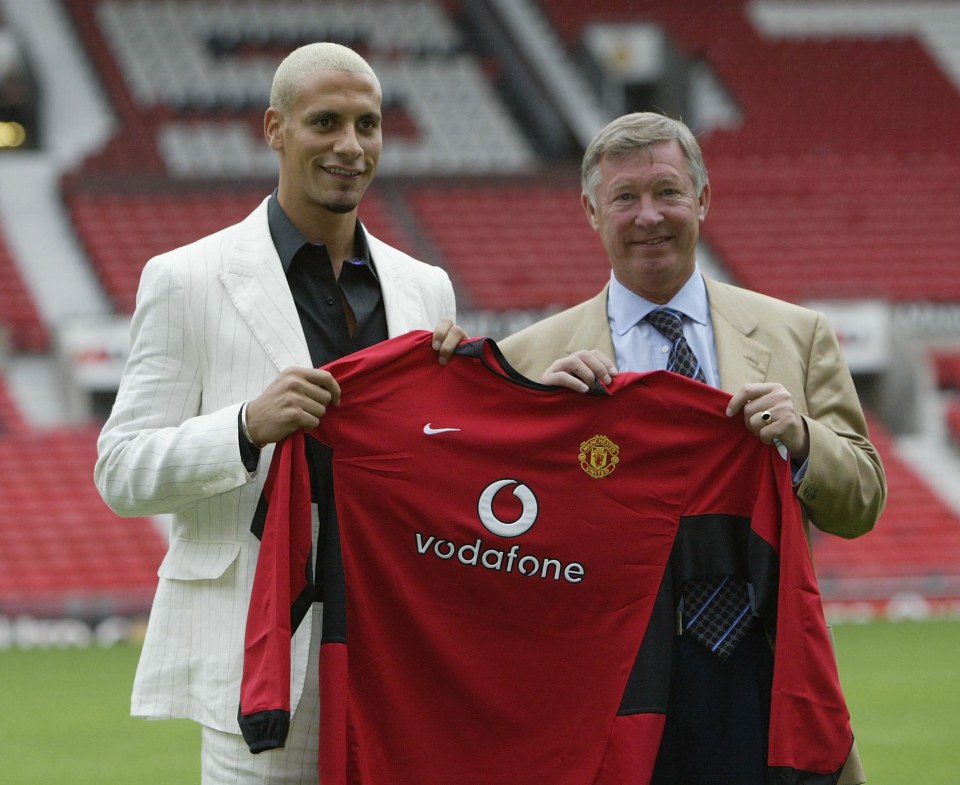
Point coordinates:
[(593, 329), (404, 311), (253, 278), (740, 358)]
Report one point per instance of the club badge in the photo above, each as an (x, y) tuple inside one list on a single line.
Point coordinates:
[(599, 456)]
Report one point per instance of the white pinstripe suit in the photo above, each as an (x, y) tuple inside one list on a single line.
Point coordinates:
[(214, 324)]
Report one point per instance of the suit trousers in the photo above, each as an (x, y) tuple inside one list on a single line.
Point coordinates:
[(718, 714), (226, 759)]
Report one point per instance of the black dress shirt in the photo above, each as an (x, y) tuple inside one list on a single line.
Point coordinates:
[(321, 299), (320, 296)]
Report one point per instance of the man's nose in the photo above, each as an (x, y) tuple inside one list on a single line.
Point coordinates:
[(648, 212), (347, 144)]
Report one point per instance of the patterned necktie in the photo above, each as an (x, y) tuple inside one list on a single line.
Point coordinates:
[(682, 360), (717, 611)]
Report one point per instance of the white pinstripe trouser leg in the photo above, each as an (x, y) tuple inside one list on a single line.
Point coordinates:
[(226, 760)]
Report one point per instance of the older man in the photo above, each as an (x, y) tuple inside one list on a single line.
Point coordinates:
[(646, 192)]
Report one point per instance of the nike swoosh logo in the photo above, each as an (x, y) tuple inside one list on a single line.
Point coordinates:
[(430, 430)]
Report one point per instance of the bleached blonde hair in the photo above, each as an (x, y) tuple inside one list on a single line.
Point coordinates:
[(310, 57)]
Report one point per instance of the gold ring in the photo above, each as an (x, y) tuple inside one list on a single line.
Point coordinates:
[(766, 416)]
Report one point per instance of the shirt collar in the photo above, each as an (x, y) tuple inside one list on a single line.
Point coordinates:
[(626, 308), (288, 240)]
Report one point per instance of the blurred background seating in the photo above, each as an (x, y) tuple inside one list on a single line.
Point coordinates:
[(829, 131)]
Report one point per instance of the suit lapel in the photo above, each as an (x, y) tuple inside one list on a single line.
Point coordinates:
[(253, 278), (593, 329), (740, 358), (404, 312)]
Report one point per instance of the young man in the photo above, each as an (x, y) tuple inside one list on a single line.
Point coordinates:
[(227, 337)]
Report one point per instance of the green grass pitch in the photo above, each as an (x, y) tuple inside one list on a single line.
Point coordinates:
[(65, 712)]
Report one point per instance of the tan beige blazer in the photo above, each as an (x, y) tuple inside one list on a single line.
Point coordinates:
[(760, 339)]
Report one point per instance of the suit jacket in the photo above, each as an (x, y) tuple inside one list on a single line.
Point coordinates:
[(758, 339), (214, 324)]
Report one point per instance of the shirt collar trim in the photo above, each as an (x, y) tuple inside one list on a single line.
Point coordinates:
[(288, 240), (626, 308)]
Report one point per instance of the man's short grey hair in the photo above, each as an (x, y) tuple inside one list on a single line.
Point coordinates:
[(306, 59), (640, 131)]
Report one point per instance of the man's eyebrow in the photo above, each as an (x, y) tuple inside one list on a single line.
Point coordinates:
[(333, 114), (324, 114)]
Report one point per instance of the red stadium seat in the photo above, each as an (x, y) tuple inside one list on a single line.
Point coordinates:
[(946, 363), (18, 312), (64, 551), (513, 245), (120, 232), (918, 535), (830, 187)]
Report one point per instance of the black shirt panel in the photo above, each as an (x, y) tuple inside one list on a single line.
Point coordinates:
[(317, 292), (319, 297)]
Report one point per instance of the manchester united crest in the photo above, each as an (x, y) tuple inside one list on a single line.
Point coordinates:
[(599, 456)]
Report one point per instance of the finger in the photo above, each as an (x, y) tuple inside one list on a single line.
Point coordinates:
[(440, 333), (322, 387), (737, 402), (750, 393), (601, 366), (566, 380), (308, 415), (570, 372), (449, 343)]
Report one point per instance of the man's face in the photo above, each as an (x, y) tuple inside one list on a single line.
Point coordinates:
[(648, 215), (329, 142)]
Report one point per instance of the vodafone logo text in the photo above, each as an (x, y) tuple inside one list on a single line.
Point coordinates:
[(513, 560)]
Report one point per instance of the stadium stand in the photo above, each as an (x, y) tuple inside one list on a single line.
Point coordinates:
[(846, 227), (18, 312), (946, 362), (953, 420), (824, 173), (828, 186), (121, 231), (12, 423), (915, 546), (188, 81), (64, 553), (515, 245), (796, 162)]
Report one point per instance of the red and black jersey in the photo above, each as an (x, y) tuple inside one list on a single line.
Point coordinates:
[(505, 546)]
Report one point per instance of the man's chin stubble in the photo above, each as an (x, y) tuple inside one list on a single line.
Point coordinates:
[(339, 207)]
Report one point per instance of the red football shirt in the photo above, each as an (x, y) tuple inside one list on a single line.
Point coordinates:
[(503, 545)]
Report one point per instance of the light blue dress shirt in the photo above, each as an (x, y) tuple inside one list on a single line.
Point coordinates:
[(638, 345)]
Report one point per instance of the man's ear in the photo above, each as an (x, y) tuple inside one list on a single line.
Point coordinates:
[(589, 209), (704, 200), (272, 122)]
